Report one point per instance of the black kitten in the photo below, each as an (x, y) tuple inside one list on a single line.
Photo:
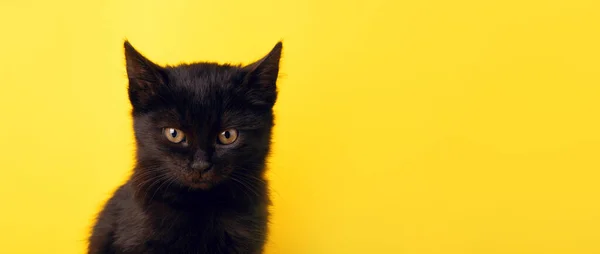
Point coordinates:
[(203, 132)]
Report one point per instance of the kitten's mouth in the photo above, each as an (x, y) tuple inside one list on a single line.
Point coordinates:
[(203, 184), (202, 180)]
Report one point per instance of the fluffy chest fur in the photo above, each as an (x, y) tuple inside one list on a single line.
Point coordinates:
[(160, 228)]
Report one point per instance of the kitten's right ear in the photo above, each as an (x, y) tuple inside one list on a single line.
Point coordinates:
[(145, 77)]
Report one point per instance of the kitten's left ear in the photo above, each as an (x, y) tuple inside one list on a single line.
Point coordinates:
[(261, 77)]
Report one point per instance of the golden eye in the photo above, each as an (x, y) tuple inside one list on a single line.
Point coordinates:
[(174, 135), (228, 136)]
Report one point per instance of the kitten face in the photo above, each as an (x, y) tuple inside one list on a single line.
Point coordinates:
[(200, 125)]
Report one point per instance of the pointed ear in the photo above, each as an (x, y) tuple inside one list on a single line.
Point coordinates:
[(261, 77), (145, 78)]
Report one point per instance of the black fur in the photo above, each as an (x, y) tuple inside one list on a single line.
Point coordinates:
[(171, 206)]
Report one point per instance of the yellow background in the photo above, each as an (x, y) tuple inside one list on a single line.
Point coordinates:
[(431, 126)]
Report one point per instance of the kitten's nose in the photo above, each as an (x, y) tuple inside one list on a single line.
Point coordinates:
[(201, 165)]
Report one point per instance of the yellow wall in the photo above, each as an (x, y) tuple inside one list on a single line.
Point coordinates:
[(432, 126)]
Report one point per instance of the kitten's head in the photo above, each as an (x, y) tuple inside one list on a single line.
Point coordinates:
[(199, 125)]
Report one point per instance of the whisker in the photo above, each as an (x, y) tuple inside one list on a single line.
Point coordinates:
[(252, 186), (164, 180), (241, 184), (263, 181)]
